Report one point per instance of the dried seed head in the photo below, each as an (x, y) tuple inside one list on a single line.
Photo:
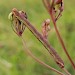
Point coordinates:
[(48, 21), (17, 25), (45, 28), (57, 9)]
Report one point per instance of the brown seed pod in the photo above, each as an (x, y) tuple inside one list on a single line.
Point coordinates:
[(46, 28), (17, 25)]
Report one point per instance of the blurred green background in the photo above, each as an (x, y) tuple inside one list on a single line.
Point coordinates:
[(13, 60)]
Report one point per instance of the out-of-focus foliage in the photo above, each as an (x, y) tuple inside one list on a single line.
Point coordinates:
[(13, 60)]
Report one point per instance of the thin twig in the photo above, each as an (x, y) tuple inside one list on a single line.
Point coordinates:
[(62, 43), (64, 69), (38, 60)]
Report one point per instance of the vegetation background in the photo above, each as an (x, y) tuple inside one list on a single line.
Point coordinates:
[(13, 60)]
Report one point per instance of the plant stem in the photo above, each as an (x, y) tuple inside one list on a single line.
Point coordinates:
[(61, 41), (38, 60), (66, 71)]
